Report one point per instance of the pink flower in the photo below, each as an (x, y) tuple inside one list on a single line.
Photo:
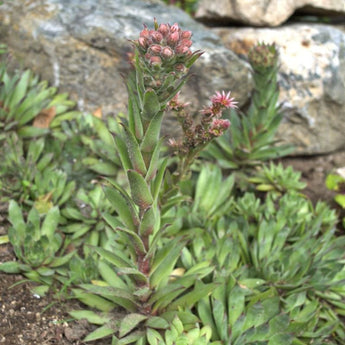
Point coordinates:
[(224, 100)]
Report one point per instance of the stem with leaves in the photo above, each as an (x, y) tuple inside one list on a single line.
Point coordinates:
[(161, 62)]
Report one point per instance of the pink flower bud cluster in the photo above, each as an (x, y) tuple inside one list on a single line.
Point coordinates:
[(218, 126), (210, 126), (166, 45)]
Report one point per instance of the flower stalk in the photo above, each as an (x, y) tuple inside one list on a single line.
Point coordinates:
[(197, 136), (161, 63)]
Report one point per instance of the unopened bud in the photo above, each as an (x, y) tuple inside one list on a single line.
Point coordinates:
[(174, 28), (181, 50), (155, 48), (143, 42), (173, 38), (225, 124), (156, 37), (218, 126), (186, 34), (180, 67), (145, 32), (186, 42), (167, 53), (163, 29), (221, 123), (155, 60)]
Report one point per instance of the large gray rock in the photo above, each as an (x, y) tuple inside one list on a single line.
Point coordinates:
[(264, 12), (312, 81), (82, 47)]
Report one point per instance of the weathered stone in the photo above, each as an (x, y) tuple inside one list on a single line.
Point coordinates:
[(81, 46), (312, 81), (264, 12)]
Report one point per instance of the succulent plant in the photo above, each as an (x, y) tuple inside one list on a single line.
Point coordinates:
[(277, 178), (250, 140), (28, 106), (37, 244)]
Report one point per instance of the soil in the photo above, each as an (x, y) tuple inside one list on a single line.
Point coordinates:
[(26, 319)]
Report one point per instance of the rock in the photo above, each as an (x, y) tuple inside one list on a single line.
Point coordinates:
[(264, 12), (312, 81), (82, 47)]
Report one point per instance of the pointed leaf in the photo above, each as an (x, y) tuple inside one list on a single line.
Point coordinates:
[(136, 241), (154, 163), (139, 190), (152, 134), (117, 259), (90, 316), (51, 222), (138, 276), (188, 300), (148, 222), (122, 297), (134, 118), (151, 105), (10, 267), (100, 333), (165, 261), (122, 206), (130, 322), (16, 218), (134, 153), (93, 300), (61, 260), (157, 323), (31, 132), (123, 153), (20, 89), (110, 276)]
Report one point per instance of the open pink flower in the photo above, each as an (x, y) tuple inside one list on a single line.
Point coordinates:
[(222, 99)]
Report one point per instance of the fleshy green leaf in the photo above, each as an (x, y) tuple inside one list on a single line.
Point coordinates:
[(134, 153), (100, 333), (130, 322), (122, 206), (151, 105), (139, 189), (93, 300), (51, 222), (91, 316)]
